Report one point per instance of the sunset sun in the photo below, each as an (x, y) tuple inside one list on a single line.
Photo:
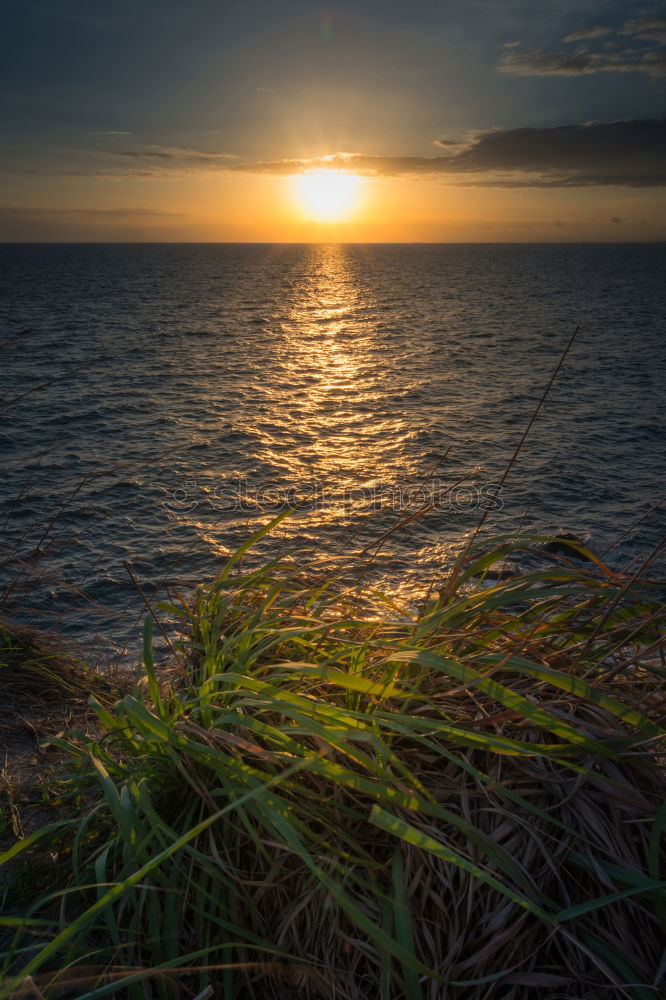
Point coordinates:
[(328, 195)]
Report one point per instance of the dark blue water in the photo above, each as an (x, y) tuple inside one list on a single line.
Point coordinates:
[(160, 401)]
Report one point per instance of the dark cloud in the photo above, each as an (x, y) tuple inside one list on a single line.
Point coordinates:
[(616, 219), (624, 153), (174, 153), (144, 154), (584, 61), (638, 47)]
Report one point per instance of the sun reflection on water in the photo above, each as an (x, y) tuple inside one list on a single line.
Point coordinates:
[(324, 410), (337, 392)]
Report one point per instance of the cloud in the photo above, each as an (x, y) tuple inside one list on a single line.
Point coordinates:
[(578, 36), (637, 47), (35, 224), (144, 154), (174, 154), (616, 219), (532, 62), (622, 153), (22, 213), (646, 29), (109, 132)]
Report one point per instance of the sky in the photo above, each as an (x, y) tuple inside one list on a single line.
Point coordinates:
[(420, 120)]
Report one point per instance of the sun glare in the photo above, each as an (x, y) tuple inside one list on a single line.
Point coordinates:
[(328, 195)]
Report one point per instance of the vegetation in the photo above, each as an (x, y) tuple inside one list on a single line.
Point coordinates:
[(33, 669), (331, 797)]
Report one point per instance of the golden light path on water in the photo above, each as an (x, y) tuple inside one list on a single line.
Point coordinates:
[(327, 347), (330, 418), (335, 387)]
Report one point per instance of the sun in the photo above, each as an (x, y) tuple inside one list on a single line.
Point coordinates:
[(328, 195)]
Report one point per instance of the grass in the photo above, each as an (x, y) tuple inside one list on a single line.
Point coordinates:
[(329, 797), (33, 668), (44, 689)]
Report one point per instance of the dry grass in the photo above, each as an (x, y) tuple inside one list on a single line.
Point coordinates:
[(44, 691)]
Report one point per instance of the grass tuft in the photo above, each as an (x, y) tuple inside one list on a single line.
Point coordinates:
[(330, 801)]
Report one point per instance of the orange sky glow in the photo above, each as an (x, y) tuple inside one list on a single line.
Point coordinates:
[(362, 122), (305, 207)]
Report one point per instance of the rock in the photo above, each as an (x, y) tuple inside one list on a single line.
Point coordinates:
[(560, 547), (503, 570)]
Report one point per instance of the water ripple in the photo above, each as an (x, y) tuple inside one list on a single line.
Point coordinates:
[(209, 373)]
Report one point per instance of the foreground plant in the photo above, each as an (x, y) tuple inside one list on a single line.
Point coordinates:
[(465, 801)]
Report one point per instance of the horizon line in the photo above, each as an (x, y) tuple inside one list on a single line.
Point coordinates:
[(121, 242)]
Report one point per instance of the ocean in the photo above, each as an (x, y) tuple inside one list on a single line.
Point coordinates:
[(160, 402)]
